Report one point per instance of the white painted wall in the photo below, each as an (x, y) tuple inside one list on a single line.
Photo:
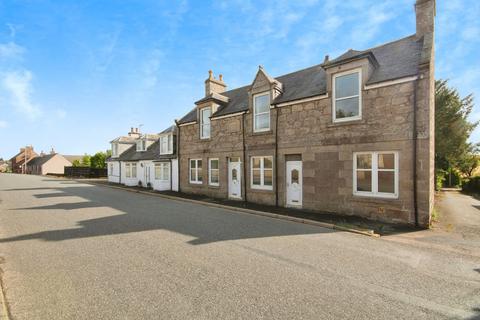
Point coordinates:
[(142, 169), (113, 175), (132, 181), (174, 174), (160, 185)]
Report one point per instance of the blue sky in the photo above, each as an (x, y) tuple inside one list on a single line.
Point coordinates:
[(76, 74)]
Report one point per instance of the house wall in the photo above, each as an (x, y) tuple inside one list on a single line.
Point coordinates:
[(225, 142), (55, 165), (326, 150), (114, 175), (174, 177), (129, 181)]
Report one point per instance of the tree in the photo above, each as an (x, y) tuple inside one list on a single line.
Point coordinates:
[(452, 128), (98, 160), (85, 161), (76, 163), (469, 161)]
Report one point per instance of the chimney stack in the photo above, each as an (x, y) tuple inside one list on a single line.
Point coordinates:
[(134, 133), (425, 17), (213, 85)]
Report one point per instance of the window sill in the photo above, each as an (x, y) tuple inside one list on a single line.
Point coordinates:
[(260, 189), (346, 123), (195, 183), (259, 133), (375, 196), (214, 186)]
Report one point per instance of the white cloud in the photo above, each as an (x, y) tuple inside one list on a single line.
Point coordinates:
[(11, 50), (18, 85), (3, 124), (13, 30), (151, 68)]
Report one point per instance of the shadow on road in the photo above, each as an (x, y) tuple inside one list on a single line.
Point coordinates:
[(139, 213)]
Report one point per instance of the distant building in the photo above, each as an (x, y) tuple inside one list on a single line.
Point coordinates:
[(53, 163), (21, 159)]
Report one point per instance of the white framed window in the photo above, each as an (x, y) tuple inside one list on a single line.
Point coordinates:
[(205, 114), (196, 171), (261, 112), (262, 173), (134, 170), (111, 169), (162, 171), (347, 95), (166, 144), (114, 149), (142, 145), (128, 170), (375, 174), (213, 172)]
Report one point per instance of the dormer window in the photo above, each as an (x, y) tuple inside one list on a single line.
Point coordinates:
[(261, 112), (205, 114), (142, 145), (114, 149), (166, 144), (347, 96)]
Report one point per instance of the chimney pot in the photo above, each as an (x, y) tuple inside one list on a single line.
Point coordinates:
[(213, 85), (327, 58)]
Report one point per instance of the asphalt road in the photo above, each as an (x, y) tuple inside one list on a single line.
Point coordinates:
[(78, 251)]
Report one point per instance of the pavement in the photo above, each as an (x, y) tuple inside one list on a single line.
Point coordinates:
[(73, 250)]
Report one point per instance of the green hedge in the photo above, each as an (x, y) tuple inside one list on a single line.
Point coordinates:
[(444, 177), (472, 185)]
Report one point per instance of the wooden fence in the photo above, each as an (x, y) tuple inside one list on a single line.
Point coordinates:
[(85, 172)]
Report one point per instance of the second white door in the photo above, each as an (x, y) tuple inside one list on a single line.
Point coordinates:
[(294, 184), (234, 179)]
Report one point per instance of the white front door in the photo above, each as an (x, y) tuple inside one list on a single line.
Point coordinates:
[(294, 183), (147, 173), (234, 179)]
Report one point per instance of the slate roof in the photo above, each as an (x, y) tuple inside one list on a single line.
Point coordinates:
[(125, 139), (172, 128), (152, 153), (395, 60), (40, 160)]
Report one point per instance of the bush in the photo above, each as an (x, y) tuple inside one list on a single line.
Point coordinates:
[(440, 177), (472, 185), (450, 178)]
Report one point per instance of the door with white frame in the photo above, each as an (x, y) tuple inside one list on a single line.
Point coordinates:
[(294, 184), (146, 170), (234, 179)]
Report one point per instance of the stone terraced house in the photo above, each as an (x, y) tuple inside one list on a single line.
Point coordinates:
[(353, 135)]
